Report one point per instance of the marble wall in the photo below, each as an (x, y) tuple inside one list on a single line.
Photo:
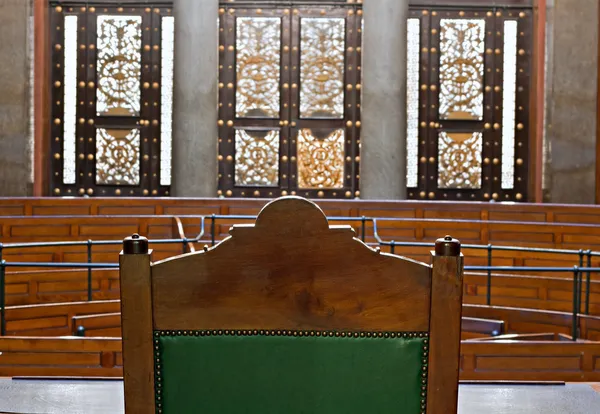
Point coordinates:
[(571, 100), (15, 98)]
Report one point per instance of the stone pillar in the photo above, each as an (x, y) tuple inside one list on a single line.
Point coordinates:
[(383, 136), (15, 136), (571, 100), (195, 98)]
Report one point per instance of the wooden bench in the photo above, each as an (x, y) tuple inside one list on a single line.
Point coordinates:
[(480, 361), (479, 327), (57, 286), (60, 357), (356, 208), (100, 325), (52, 319), (96, 228)]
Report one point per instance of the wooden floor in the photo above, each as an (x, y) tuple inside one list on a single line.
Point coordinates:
[(103, 397)]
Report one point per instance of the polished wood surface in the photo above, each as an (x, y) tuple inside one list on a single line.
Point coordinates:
[(444, 328), (138, 344), (292, 270), (224, 287)]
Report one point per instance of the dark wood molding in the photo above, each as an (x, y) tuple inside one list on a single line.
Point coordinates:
[(537, 102), (41, 88), (598, 123)]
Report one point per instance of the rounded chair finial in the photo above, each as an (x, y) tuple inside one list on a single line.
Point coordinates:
[(135, 244), (447, 246)]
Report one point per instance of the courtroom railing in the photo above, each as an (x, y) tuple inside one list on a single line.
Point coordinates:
[(583, 266)]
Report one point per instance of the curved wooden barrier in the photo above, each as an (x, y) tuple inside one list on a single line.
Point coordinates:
[(535, 292), (551, 213), (480, 360), (60, 357), (545, 235)]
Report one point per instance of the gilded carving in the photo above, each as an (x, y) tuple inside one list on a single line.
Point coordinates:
[(320, 160)]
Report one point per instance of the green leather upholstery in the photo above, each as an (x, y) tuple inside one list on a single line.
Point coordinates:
[(290, 374)]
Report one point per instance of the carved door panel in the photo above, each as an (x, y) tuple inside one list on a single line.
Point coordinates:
[(468, 105), (253, 101), (112, 65), (289, 102)]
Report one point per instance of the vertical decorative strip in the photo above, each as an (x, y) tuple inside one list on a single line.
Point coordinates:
[(412, 100), (508, 104), (70, 99), (166, 106)]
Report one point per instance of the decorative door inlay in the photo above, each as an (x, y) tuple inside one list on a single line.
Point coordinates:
[(112, 72), (459, 160), (258, 62), (320, 160), (412, 101), (509, 88), (461, 69), (117, 156), (256, 158), (70, 99), (289, 101), (166, 101), (119, 65), (322, 48), (468, 103)]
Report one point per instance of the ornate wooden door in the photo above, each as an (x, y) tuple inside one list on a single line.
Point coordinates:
[(468, 101), (289, 101), (112, 70)]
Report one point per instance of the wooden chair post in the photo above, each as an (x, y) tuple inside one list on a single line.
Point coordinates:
[(136, 317), (444, 326)]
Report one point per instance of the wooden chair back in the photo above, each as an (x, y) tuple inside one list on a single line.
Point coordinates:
[(291, 315)]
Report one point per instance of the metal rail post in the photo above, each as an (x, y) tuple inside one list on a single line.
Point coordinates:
[(89, 260), (574, 327), (489, 276)]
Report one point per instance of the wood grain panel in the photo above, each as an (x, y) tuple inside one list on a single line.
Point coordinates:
[(529, 361)]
